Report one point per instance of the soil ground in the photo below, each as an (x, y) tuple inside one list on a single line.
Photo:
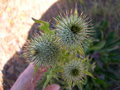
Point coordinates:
[(15, 23)]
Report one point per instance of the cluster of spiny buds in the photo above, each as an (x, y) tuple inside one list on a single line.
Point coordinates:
[(53, 48)]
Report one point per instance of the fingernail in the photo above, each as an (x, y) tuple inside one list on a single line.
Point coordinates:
[(53, 87)]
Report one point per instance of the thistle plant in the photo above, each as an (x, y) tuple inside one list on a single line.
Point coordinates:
[(43, 50), (72, 31), (75, 71)]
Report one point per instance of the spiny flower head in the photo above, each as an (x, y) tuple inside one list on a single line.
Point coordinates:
[(74, 71), (73, 30), (43, 50)]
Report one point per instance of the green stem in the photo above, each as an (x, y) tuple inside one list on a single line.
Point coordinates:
[(49, 76)]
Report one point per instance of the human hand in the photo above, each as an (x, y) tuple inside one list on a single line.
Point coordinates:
[(29, 78)]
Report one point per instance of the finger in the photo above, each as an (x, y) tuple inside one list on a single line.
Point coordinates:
[(52, 87), (24, 79), (29, 71)]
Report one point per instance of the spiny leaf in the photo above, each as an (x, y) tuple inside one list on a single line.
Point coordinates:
[(45, 26)]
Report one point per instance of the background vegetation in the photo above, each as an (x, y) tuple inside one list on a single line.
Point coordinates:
[(105, 51)]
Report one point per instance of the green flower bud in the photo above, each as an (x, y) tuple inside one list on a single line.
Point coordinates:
[(73, 30), (43, 50), (74, 71)]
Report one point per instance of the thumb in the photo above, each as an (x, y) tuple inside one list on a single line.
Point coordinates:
[(52, 87)]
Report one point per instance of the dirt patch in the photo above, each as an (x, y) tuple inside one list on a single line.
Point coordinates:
[(15, 23)]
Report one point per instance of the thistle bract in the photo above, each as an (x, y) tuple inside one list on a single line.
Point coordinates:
[(73, 30), (43, 50)]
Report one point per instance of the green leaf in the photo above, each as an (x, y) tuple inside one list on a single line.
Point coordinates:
[(114, 43), (48, 78), (103, 25), (111, 36), (101, 82), (45, 26), (98, 46), (58, 69)]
